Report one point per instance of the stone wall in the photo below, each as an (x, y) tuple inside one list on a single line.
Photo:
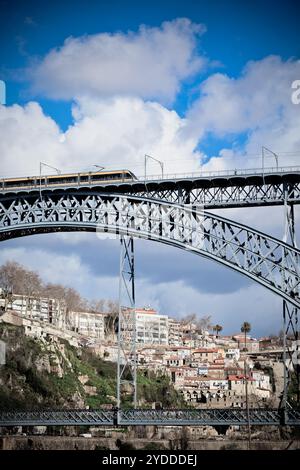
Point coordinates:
[(81, 443)]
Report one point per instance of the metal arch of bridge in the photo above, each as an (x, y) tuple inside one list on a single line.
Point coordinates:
[(266, 260), (136, 417)]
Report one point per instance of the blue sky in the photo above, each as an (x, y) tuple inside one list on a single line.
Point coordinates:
[(237, 31), (197, 84)]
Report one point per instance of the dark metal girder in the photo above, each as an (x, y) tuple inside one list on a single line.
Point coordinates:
[(266, 260), (232, 190), (137, 417)]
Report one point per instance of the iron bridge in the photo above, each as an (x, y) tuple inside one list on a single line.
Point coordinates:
[(170, 211), (146, 417), (266, 260), (225, 189)]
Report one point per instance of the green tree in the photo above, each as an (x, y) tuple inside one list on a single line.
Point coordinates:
[(245, 328), (217, 329)]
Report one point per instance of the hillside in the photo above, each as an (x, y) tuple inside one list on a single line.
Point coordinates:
[(51, 373)]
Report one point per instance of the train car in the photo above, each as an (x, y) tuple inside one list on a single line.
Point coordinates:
[(71, 179)]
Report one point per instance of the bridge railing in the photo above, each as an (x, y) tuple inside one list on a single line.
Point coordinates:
[(231, 172), (161, 177)]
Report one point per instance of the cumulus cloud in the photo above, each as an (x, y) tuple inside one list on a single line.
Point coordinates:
[(228, 309), (69, 270), (27, 137), (258, 105), (116, 132), (150, 63), (116, 123), (175, 298)]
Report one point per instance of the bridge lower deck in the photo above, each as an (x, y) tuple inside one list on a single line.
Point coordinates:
[(138, 417)]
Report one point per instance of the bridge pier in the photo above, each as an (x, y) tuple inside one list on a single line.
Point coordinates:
[(291, 357), (126, 370)]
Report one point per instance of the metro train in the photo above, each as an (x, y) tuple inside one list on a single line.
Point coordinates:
[(71, 179)]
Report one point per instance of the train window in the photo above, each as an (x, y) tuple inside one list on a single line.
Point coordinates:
[(84, 178), (105, 177), (62, 180), (98, 177), (17, 183)]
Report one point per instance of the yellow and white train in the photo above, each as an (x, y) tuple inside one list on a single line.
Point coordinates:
[(71, 179)]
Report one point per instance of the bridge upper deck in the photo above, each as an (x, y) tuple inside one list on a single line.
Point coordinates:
[(228, 188)]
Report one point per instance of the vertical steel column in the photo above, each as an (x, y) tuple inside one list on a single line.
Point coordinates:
[(290, 316), (126, 379)]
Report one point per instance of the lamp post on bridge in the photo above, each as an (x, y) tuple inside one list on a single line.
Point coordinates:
[(265, 149), (49, 166), (156, 160)]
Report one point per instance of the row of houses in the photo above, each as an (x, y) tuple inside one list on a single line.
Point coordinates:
[(204, 368), (151, 327)]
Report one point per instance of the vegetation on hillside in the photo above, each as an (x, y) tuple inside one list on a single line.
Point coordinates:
[(47, 373)]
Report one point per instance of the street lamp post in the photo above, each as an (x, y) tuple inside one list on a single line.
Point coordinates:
[(265, 149), (49, 166), (156, 160)]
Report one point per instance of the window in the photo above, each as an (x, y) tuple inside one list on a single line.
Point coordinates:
[(62, 179)]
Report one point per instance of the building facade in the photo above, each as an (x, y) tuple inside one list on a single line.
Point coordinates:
[(43, 309), (87, 324), (151, 327)]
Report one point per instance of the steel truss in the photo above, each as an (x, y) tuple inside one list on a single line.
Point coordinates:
[(218, 196), (126, 376), (291, 337), (138, 417), (245, 189), (268, 261)]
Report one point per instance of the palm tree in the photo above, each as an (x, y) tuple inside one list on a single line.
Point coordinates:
[(217, 329), (245, 328)]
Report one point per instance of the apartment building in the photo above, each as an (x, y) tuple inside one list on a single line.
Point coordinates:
[(87, 324), (175, 332), (151, 327), (43, 309)]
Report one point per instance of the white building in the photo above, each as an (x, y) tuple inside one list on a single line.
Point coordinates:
[(87, 324), (262, 380), (43, 309), (232, 354), (151, 327), (175, 332)]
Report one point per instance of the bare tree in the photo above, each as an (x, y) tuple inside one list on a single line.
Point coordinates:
[(97, 306), (204, 323), (15, 279), (111, 318), (188, 319)]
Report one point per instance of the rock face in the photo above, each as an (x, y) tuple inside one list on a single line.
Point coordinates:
[(82, 443), (48, 372), (279, 381)]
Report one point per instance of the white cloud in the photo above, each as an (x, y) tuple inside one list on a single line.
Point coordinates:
[(27, 137), (150, 63), (118, 130), (174, 298), (178, 299), (115, 132), (69, 270), (258, 104)]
